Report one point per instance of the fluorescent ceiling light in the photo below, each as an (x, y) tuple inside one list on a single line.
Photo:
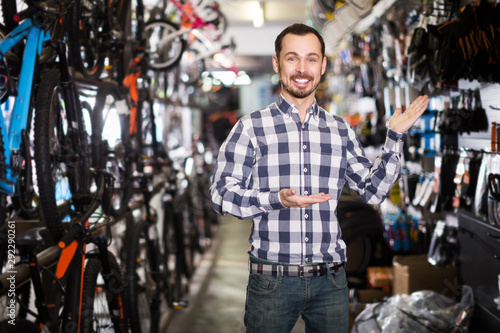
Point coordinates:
[(258, 15), (227, 78)]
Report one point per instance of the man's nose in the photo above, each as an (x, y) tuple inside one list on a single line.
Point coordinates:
[(301, 66)]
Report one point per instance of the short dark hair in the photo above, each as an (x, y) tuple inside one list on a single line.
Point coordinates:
[(300, 30)]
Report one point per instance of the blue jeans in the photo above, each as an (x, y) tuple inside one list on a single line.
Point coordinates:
[(274, 303)]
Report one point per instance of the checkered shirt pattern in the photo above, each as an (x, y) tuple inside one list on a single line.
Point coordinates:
[(271, 149)]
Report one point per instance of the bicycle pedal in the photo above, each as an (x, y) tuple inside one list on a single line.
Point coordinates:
[(178, 305)]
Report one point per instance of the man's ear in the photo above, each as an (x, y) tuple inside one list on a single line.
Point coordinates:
[(276, 65), (323, 65)]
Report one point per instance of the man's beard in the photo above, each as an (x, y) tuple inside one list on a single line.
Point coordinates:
[(299, 92)]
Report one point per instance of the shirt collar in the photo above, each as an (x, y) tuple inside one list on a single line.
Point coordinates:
[(287, 107)]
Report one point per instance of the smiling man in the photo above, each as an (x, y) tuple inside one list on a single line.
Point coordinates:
[(284, 166)]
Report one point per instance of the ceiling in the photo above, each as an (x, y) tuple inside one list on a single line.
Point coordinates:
[(282, 12), (255, 46)]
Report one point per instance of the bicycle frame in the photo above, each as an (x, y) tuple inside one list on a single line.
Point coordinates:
[(193, 25), (193, 17), (36, 36)]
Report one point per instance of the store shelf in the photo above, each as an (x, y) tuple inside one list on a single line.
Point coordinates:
[(346, 22)]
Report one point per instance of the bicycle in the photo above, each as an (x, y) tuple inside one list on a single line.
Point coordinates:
[(167, 40), (98, 30), (155, 265), (124, 141), (83, 299), (62, 146)]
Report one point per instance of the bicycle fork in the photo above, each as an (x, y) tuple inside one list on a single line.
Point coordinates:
[(113, 283)]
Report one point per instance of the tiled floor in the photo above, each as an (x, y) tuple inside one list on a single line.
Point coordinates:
[(218, 289)]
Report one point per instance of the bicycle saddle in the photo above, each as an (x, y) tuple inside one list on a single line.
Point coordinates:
[(32, 238)]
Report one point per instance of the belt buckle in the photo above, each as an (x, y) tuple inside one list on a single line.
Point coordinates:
[(304, 270), (309, 270)]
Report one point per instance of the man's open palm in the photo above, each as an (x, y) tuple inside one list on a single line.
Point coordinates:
[(289, 198), (403, 121)]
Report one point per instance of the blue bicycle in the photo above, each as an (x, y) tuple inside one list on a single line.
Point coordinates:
[(46, 118)]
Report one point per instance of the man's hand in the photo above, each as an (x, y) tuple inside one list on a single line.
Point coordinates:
[(289, 198), (402, 122)]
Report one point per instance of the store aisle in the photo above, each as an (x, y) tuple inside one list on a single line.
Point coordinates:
[(218, 289)]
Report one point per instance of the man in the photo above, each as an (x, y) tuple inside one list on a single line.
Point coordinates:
[(284, 166)]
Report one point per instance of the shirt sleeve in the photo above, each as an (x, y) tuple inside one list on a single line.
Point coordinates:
[(231, 190), (374, 181)]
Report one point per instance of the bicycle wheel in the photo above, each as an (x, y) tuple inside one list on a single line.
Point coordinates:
[(85, 25), (164, 44), (214, 16), (55, 157), (102, 308), (109, 123), (191, 69), (144, 277)]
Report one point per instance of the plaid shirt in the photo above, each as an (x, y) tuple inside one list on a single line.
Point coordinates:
[(269, 150)]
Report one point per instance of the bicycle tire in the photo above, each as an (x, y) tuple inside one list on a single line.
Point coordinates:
[(163, 54), (150, 148), (188, 233), (214, 16), (85, 38), (54, 155), (174, 254), (109, 123), (27, 198), (190, 71), (144, 277), (25, 202), (3, 196), (96, 297), (210, 216), (196, 217)]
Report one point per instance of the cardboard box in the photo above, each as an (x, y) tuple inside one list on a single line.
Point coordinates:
[(365, 296), (380, 278), (414, 273)]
